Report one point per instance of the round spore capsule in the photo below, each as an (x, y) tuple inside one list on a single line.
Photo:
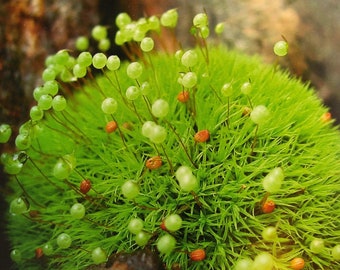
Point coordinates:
[(45, 102), (98, 255), (48, 74), (104, 44), (246, 88), (62, 169), (219, 28), (142, 238), (18, 206), (134, 70), (109, 105), (160, 108), (135, 225), (227, 89), (145, 88), (77, 211), (79, 71), (182, 171), (82, 43), (169, 18), (317, 245), (188, 183), (84, 59), (99, 32), (166, 244), (273, 180), (200, 20), (51, 87), (281, 48), (23, 141), (130, 189), (122, 19), (15, 255), (5, 133), (173, 222), (113, 62), (36, 113), (336, 252), (263, 261), (189, 80), (47, 249), (269, 234), (64, 240), (244, 264), (132, 92), (204, 31), (259, 114), (189, 58), (158, 134), (59, 103), (147, 44), (99, 60), (147, 128)]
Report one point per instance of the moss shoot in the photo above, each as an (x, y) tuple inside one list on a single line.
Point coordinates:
[(206, 157)]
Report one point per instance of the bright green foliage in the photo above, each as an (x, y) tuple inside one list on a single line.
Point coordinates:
[(269, 140)]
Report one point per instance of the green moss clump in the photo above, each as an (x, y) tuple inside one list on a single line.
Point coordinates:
[(220, 202)]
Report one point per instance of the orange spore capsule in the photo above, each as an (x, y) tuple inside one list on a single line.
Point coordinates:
[(197, 255), (202, 136), (183, 96), (268, 206), (111, 126), (326, 117), (38, 253), (154, 162), (297, 263), (85, 186)]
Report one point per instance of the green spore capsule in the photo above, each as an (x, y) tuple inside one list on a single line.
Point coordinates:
[(98, 255), (132, 92), (113, 62), (166, 244), (99, 60), (77, 211), (160, 108), (84, 59), (281, 48), (45, 102), (99, 32), (47, 249), (36, 113), (16, 255), (142, 238), (130, 189), (219, 28), (23, 141), (259, 114), (135, 225), (169, 18), (82, 43), (147, 44), (18, 206), (59, 103), (134, 70), (200, 20), (273, 180), (189, 58), (5, 133), (109, 105), (64, 240)]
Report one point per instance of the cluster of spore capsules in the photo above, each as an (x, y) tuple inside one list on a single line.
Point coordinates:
[(204, 157)]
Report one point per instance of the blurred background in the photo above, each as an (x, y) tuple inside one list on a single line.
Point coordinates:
[(30, 30)]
